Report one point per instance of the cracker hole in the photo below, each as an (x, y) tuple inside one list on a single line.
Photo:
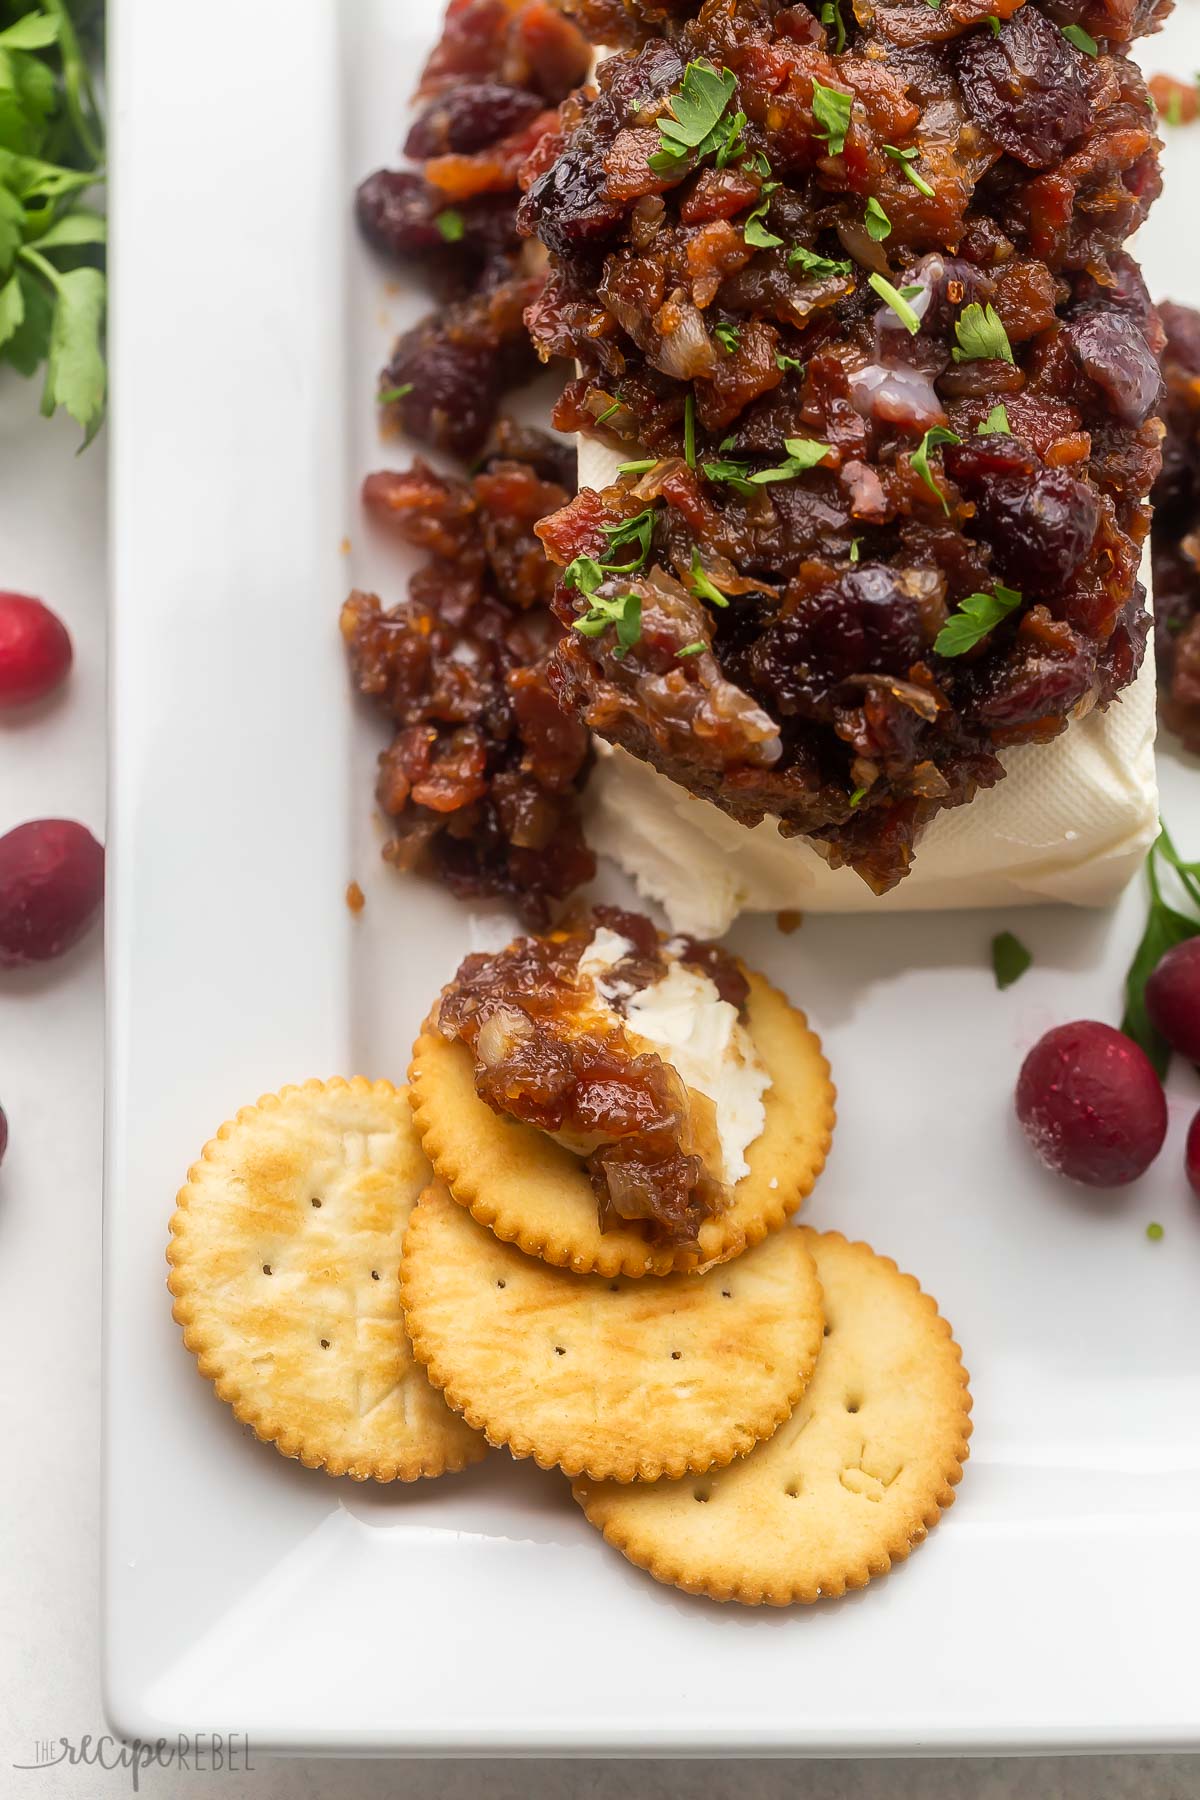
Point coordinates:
[(314, 1203), (501, 1284), (614, 1287), (702, 1493), (792, 1490), (853, 1402), (374, 1274), (726, 1294), (559, 1351), (324, 1343), (828, 1332), (675, 1355), (267, 1269)]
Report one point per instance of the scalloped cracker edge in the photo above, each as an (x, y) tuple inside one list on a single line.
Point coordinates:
[(533, 1193), (858, 1476), (284, 1254), (621, 1378)]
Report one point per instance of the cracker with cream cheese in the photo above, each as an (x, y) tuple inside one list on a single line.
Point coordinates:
[(534, 1192)]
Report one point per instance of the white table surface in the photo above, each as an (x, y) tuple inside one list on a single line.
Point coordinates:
[(52, 543)]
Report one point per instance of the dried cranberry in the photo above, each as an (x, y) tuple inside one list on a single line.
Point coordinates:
[(35, 650), (567, 206), (469, 118), (1112, 352), (1191, 1154), (1040, 527), (1091, 1105), (396, 213), (51, 890), (1173, 998), (1025, 87)]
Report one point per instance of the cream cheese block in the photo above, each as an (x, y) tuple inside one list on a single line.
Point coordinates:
[(1072, 821)]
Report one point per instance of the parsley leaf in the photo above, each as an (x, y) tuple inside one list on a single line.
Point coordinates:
[(879, 226), (906, 158), (812, 264), (855, 544), (386, 396), (695, 124), (732, 471), (610, 411), (803, 453), (831, 14), (755, 232), (996, 424), (974, 618), (858, 796), (636, 468), (35, 31), (937, 434), (703, 585), (584, 574), (1165, 927), (1010, 959), (788, 362), (898, 302), (625, 612), (994, 22), (639, 530), (831, 110), (12, 308), (1082, 40), (1154, 1231), (981, 335), (727, 335), (451, 225), (692, 649)]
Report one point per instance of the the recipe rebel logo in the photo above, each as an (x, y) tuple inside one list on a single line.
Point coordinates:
[(207, 1753)]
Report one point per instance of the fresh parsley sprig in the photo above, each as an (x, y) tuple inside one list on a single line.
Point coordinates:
[(974, 618), (937, 434), (981, 335), (812, 264), (697, 124), (1166, 926), (52, 284), (996, 424), (802, 454), (831, 110), (624, 611)]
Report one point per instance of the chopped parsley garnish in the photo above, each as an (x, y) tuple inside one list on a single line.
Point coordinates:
[(732, 471), (858, 796), (879, 226), (451, 224), (996, 424), (906, 159), (854, 548), (638, 529), (981, 335), (728, 336), (831, 14), (1154, 1231), (974, 618), (1082, 40), (695, 124), (802, 454), (1165, 927), (831, 110), (755, 232), (788, 362), (386, 396), (702, 585), (1174, 110), (898, 301), (937, 434), (994, 22), (584, 574), (637, 468), (689, 430), (812, 264), (609, 411), (625, 612), (1010, 959), (735, 145), (692, 649)]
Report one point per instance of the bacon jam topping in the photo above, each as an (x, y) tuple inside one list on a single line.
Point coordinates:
[(482, 777), (487, 99), (1176, 536), (849, 293), (553, 1027)]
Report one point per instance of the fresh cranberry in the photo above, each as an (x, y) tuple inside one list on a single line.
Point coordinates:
[(1191, 1154), (1173, 998), (1091, 1105), (35, 650), (51, 889)]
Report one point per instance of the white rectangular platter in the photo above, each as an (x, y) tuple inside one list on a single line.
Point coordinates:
[(1056, 1606)]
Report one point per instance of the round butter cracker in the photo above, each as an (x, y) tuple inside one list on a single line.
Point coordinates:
[(284, 1254), (857, 1476), (532, 1192), (624, 1379)]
